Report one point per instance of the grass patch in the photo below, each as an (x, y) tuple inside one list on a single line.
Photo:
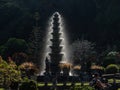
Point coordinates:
[(111, 80), (1, 88)]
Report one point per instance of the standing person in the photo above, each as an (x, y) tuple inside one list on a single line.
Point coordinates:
[(97, 83), (54, 81)]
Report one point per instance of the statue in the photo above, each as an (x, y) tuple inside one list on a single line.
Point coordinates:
[(47, 63)]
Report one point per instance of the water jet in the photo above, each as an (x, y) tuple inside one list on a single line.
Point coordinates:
[(56, 48)]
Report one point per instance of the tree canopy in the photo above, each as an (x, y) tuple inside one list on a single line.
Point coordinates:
[(12, 46), (101, 17)]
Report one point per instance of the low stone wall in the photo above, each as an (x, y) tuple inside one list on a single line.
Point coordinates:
[(59, 79)]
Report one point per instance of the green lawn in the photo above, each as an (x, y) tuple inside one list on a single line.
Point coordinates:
[(1, 88)]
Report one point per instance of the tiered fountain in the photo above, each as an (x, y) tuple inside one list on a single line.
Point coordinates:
[(56, 45), (56, 63), (55, 54)]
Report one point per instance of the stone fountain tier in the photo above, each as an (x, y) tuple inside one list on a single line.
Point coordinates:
[(55, 57), (55, 69), (56, 24), (56, 31), (56, 42), (56, 16), (57, 37), (57, 50)]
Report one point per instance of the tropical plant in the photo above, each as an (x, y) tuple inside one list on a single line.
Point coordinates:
[(76, 69), (65, 67), (97, 67)]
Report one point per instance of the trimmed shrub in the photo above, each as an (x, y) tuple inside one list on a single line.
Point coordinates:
[(112, 68), (28, 85)]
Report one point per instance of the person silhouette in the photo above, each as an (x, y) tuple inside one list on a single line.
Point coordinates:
[(97, 83)]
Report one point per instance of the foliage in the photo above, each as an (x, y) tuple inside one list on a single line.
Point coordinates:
[(11, 63), (28, 68), (111, 58), (3, 72), (20, 57), (65, 68), (97, 67), (28, 84), (76, 70), (9, 73), (113, 53), (2, 50), (35, 40), (16, 45), (13, 45), (81, 50), (108, 60), (14, 71), (100, 16), (77, 67), (65, 65), (112, 68)]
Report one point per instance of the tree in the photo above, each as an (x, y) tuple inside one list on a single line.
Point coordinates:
[(8, 72), (100, 16), (3, 49), (14, 45), (19, 58), (35, 41), (81, 51), (28, 68)]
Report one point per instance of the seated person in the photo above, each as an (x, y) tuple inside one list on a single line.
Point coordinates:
[(97, 83)]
